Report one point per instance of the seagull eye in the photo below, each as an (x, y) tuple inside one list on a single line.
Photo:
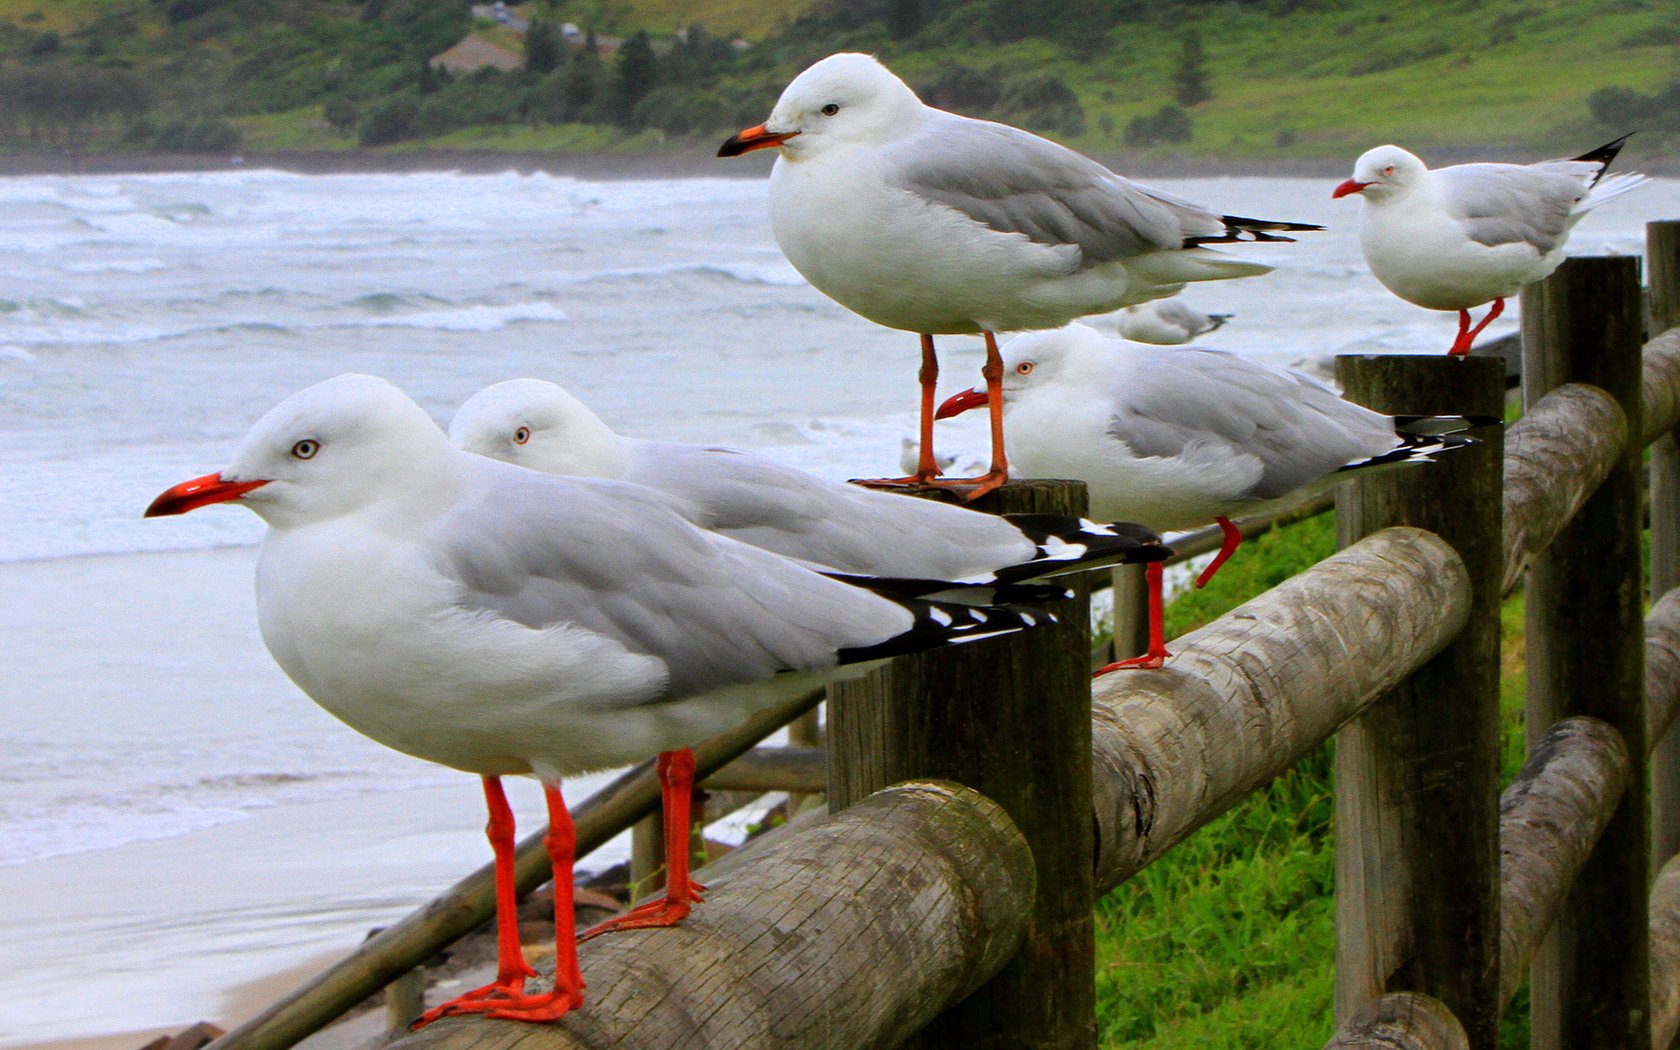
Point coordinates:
[(305, 449), (1389, 170), (830, 109), (1024, 368), (522, 435)]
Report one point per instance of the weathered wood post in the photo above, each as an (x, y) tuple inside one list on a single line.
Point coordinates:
[(1010, 717), (1417, 775), (1589, 983), (1662, 262)]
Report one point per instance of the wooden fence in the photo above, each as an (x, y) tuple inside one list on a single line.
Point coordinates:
[(946, 901)]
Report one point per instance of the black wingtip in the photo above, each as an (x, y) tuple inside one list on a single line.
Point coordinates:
[(938, 624), (1242, 228), (1069, 544), (1603, 155)]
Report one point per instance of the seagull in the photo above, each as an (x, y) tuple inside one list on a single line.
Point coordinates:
[(1461, 236), (505, 622), (1174, 438), (940, 224), (825, 524), (1165, 322)]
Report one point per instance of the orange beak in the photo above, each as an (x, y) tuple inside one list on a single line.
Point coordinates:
[(960, 403), (751, 139), (199, 492), (1350, 186)]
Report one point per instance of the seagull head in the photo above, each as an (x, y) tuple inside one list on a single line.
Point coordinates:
[(537, 425), (1031, 362), (1382, 172), (326, 451), (844, 99)]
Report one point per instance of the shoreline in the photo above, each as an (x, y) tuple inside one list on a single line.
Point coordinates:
[(683, 162)]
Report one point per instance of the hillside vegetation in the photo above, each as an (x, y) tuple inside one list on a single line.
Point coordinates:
[(1251, 79)]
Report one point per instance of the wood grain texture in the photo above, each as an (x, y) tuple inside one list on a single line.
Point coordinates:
[(1665, 954), (1010, 717), (1248, 695), (1417, 773), (410, 941), (1585, 638), (1662, 666), (1660, 387), (806, 946), (1555, 457), (1401, 1021), (1662, 268), (1549, 819)]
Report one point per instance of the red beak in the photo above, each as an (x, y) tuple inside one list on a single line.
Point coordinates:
[(199, 492), (1350, 186), (962, 402), (751, 139)]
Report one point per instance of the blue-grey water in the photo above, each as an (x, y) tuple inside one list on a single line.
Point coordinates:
[(146, 321)]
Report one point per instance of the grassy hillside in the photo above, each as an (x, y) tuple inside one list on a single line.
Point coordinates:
[(1288, 78)]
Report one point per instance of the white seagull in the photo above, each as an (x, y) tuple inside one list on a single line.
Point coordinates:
[(1176, 438), (1461, 236), (935, 223), (1164, 322), (505, 622), (828, 525)]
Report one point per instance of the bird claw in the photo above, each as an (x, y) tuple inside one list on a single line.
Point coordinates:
[(655, 914), (502, 991), (1148, 661)]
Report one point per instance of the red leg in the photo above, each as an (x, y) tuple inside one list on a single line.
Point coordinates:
[(511, 967), (927, 468), (1233, 538), (1461, 345), (1157, 654), (567, 995), (1498, 308), (676, 785)]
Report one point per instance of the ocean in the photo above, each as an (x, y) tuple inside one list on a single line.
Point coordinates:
[(147, 321)]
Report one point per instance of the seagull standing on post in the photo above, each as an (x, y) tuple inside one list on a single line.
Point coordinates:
[(938, 224), (1461, 236), (1177, 437), (506, 622)]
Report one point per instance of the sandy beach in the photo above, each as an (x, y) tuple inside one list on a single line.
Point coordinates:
[(214, 924)]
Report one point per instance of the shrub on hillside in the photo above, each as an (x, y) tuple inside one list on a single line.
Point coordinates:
[(198, 136), (391, 122), (679, 110), (1624, 109), (1166, 125), (1044, 103)]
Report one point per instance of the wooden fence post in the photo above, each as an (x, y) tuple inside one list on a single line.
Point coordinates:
[(1010, 717), (1590, 981), (1662, 261), (1417, 775)]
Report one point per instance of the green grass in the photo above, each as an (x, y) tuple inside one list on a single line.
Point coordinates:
[(1229, 940)]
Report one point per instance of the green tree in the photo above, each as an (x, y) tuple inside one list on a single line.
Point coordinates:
[(637, 74), (1190, 79), (543, 47)]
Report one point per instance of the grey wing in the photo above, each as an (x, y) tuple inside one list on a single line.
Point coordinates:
[(1015, 182), (620, 561), (827, 523), (1207, 403), (1512, 203)]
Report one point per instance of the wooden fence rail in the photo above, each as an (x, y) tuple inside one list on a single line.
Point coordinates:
[(857, 931), (854, 933), (1248, 695)]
